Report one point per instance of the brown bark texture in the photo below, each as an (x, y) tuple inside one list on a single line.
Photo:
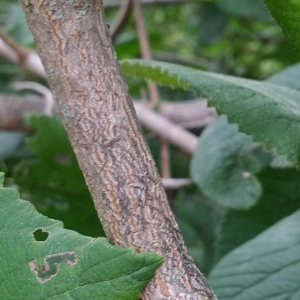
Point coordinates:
[(76, 50)]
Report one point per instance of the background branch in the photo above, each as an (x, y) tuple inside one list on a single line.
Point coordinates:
[(166, 129), (145, 48), (152, 87), (18, 54), (121, 18)]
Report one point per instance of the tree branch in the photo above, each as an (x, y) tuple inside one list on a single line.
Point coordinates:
[(11, 50), (97, 112), (40, 89), (166, 129), (121, 19), (193, 114)]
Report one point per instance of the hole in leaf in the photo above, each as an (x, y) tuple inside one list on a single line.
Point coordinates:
[(40, 235)]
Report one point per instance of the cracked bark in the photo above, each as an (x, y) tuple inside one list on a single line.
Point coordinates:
[(75, 47)]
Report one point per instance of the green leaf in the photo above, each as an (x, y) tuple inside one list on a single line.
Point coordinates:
[(17, 26), (53, 181), (65, 264), (289, 77), (198, 220), (224, 164), (213, 23), (281, 197), (287, 15), (269, 113), (245, 8), (10, 143), (267, 267)]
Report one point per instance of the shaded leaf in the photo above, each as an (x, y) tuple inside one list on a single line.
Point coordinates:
[(53, 181), (224, 165), (281, 197), (198, 220), (267, 267), (10, 143), (245, 8), (213, 23)]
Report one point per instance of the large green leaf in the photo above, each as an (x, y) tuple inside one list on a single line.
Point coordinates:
[(287, 15), (269, 113), (267, 267), (281, 197), (64, 264), (224, 165), (53, 181)]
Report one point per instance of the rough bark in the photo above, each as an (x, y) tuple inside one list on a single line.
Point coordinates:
[(75, 47)]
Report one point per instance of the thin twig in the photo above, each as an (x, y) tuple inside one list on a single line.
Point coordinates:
[(40, 89), (13, 110), (11, 50), (176, 183), (121, 19), (145, 48), (153, 89), (166, 129), (193, 114), (21, 51), (165, 158)]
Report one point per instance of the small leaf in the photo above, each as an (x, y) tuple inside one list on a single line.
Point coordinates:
[(224, 166), (267, 267), (66, 265), (269, 113)]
